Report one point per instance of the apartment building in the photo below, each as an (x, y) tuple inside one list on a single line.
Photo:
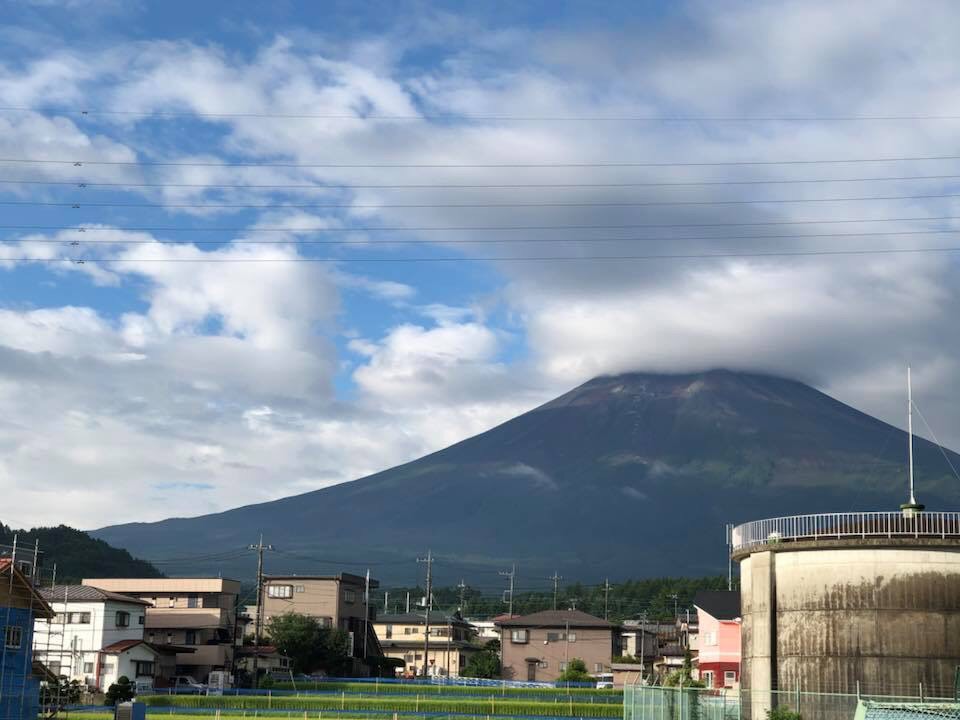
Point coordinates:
[(337, 601), (450, 647), (196, 613), (537, 647)]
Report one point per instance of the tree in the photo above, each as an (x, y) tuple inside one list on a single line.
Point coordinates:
[(576, 672), (484, 664), (120, 691), (308, 645)]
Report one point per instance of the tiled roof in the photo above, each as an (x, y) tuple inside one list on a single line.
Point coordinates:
[(556, 618), (86, 593), (121, 646)]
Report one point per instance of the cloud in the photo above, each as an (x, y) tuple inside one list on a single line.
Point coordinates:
[(214, 363)]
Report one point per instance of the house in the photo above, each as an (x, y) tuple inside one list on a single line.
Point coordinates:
[(269, 660), (537, 647), (449, 649), (337, 601), (485, 630), (20, 607), (197, 614), (718, 615), (96, 636)]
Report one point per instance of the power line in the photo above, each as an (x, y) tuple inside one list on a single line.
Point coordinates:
[(459, 117), (544, 258), (82, 184), (475, 241), (560, 204), (79, 162), (478, 228)]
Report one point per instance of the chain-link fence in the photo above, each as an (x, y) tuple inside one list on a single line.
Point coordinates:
[(642, 702)]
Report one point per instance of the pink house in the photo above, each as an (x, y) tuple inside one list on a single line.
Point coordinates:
[(718, 613)]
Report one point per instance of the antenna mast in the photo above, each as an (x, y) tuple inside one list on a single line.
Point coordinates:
[(912, 508)]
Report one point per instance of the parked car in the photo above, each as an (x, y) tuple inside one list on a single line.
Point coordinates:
[(605, 681), (187, 685)]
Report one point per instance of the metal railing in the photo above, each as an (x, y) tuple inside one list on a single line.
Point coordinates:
[(826, 526)]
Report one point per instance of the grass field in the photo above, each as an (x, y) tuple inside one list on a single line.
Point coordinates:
[(560, 706)]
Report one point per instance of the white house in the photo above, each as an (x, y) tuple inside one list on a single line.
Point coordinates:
[(97, 636)]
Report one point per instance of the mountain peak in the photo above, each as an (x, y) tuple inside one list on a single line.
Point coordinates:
[(598, 482)]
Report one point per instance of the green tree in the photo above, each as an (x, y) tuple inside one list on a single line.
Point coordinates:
[(576, 672), (782, 713), (308, 645), (120, 691), (484, 664)]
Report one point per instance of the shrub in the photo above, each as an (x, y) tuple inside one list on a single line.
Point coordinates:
[(783, 713), (120, 691)]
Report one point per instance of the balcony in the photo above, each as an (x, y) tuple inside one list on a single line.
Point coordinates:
[(839, 526), (187, 618)]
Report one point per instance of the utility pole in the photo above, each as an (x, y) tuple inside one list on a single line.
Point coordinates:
[(675, 598), (643, 633), (366, 614), (556, 587), (408, 602), (462, 587), (428, 601), (729, 556), (386, 602), (511, 574), (606, 599), (258, 626)]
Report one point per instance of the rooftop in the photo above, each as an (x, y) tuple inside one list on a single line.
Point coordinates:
[(85, 593), (849, 526), (160, 586), (413, 618), (719, 604), (556, 618)]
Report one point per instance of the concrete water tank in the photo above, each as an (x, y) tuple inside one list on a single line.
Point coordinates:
[(843, 602)]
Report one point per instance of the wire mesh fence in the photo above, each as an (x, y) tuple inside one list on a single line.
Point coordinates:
[(643, 702)]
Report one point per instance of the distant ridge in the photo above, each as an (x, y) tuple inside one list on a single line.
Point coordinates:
[(76, 554), (625, 476)]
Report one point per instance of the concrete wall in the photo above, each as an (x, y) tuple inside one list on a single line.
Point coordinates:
[(827, 618)]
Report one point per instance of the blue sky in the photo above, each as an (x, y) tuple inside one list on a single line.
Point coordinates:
[(198, 358)]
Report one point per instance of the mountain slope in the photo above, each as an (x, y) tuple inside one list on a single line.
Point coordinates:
[(76, 554), (623, 476)]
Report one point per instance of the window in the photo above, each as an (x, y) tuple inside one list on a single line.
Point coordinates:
[(409, 631), (87, 668), (571, 637), (284, 662), (169, 638), (280, 591), (190, 637), (123, 619), (519, 636), (707, 677), (139, 619), (193, 601), (79, 618), (598, 667), (710, 638), (408, 658), (560, 636), (349, 596), (172, 601), (299, 588), (729, 677), (389, 631), (14, 637), (543, 665), (144, 668), (150, 637), (563, 667)]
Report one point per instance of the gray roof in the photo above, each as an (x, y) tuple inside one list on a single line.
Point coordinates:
[(556, 618), (86, 593), (413, 618), (719, 604)]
